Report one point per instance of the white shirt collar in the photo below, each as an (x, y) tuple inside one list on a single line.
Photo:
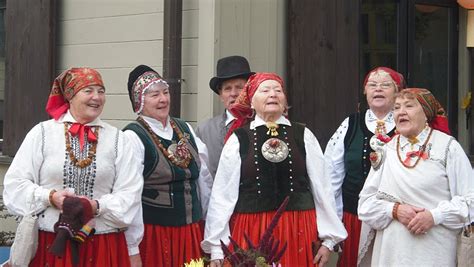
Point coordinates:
[(67, 117), (370, 117), (421, 138), (229, 117), (259, 122), (157, 127)]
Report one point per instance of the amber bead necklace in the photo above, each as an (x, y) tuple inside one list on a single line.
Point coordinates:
[(181, 162), (81, 163)]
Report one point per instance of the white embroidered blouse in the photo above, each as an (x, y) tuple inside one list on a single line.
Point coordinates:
[(42, 164)]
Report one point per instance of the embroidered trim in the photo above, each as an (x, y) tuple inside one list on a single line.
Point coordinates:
[(446, 152), (42, 139), (82, 180), (385, 196), (140, 87), (365, 247), (116, 143)]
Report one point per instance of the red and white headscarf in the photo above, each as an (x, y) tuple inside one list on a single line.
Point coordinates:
[(66, 85), (241, 109)]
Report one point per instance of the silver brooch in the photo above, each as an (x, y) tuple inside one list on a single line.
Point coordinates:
[(275, 150)]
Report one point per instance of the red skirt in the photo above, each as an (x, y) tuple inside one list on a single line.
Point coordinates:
[(171, 245), (350, 248), (98, 250), (297, 228)]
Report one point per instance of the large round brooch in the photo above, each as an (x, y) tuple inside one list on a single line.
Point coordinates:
[(375, 143), (179, 153), (378, 141), (275, 150)]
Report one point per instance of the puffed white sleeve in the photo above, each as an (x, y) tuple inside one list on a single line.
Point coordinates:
[(453, 213), (205, 179), (119, 207), (23, 193), (134, 233), (225, 193), (334, 158), (375, 212), (330, 228)]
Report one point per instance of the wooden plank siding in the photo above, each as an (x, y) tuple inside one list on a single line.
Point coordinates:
[(113, 37), (30, 57), (117, 36), (323, 63), (189, 61)]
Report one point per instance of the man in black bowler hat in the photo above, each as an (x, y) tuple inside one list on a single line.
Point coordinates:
[(231, 75)]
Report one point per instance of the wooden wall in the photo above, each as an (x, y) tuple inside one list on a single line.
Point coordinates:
[(114, 37), (255, 29), (30, 55), (323, 63)]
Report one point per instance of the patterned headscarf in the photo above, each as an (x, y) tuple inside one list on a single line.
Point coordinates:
[(139, 80), (65, 87), (431, 107), (396, 77), (241, 109)]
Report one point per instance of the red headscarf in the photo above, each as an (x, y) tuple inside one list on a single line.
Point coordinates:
[(66, 85), (396, 77), (241, 109), (431, 107)]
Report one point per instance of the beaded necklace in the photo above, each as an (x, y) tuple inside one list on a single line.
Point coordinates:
[(81, 163), (419, 155), (181, 156)]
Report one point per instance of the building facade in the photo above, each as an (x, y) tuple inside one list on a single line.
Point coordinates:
[(322, 48)]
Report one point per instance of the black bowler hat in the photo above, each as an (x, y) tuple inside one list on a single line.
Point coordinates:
[(230, 68)]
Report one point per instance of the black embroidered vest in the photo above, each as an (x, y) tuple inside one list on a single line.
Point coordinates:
[(263, 184), (356, 160)]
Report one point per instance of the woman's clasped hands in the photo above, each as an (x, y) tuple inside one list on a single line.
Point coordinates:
[(417, 220)]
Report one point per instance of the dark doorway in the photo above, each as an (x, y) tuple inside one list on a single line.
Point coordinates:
[(433, 52), (333, 44), (417, 38)]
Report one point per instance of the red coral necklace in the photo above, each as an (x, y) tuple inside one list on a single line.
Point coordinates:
[(419, 153)]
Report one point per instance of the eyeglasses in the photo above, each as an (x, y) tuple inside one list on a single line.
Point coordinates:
[(383, 85)]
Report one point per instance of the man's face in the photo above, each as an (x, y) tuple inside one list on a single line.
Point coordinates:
[(230, 90)]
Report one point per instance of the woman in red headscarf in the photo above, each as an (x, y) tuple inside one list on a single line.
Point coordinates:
[(76, 154), (265, 159), (416, 200), (348, 153)]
